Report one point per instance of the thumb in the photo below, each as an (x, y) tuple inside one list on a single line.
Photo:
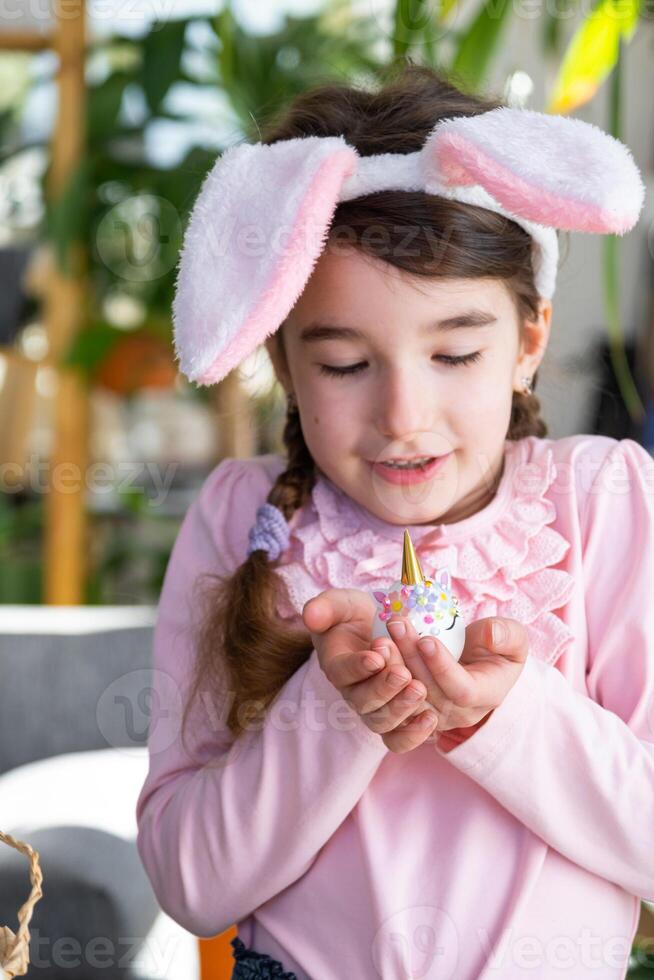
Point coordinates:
[(334, 606), (509, 637), (317, 614)]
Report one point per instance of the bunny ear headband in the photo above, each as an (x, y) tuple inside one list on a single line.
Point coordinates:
[(262, 217)]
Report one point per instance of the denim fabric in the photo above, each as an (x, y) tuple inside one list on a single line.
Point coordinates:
[(256, 966)]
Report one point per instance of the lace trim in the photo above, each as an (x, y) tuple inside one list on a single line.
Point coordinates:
[(251, 965), (500, 559)]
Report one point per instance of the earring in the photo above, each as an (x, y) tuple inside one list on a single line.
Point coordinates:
[(527, 388)]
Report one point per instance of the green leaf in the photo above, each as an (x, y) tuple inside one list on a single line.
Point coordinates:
[(226, 29), (162, 53), (91, 345), (552, 23), (446, 8), (593, 52), (103, 104), (480, 42), (261, 74), (67, 217), (416, 24), (402, 34)]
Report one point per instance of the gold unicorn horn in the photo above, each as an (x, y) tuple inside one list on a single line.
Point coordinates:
[(411, 570)]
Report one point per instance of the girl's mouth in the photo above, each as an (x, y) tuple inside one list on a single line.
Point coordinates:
[(405, 475)]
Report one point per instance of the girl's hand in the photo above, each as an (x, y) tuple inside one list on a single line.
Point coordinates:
[(464, 693), (339, 621)]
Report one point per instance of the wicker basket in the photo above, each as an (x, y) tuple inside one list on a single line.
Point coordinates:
[(14, 948)]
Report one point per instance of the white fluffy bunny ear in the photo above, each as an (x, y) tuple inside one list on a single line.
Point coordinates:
[(551, 169), (257, 228)]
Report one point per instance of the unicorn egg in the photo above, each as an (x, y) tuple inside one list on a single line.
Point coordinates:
[(427, 602)]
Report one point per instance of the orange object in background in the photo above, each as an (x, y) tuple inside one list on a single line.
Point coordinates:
[(138, 360), (216, 958)]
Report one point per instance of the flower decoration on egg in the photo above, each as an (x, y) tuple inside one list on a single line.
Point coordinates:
[(423, 598), (393, 603), (428, 603)]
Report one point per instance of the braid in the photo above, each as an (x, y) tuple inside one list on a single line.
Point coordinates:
[(294, 485), (240, 636), (526, 419)]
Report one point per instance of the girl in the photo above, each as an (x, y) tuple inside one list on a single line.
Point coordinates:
[(498, 824)]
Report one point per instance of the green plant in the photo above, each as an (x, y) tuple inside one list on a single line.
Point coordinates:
[(21, 562), (126, 213)]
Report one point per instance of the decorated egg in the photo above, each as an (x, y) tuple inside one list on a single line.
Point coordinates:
[(427, 602)]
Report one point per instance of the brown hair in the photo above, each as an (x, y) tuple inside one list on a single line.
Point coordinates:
[(259, 651)]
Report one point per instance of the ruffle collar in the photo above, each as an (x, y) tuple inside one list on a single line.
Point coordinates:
[(500, 559)]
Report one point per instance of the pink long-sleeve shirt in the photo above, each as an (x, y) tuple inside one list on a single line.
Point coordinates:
[(523, 850)]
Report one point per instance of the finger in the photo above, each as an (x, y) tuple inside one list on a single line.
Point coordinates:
[(455, 682), (411, 733), (389, 650), (511, 639), (335, 606), (400, 706), (405, 637), (369, 696), (353, 667)]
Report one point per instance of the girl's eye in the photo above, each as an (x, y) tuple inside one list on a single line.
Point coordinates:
[(340, 371), (450, 359)]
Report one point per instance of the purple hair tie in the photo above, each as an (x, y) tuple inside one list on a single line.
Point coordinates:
[(270, 532)]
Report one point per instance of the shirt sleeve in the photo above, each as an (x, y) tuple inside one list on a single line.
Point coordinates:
[(226, 827), (578, 770)]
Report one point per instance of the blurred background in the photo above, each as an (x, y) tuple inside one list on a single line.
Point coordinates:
[(111, 114), (102, 445)]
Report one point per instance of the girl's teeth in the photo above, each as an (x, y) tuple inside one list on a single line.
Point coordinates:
[(410, 466)]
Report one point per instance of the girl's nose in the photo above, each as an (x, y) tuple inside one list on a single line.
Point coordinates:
[(404, 405)]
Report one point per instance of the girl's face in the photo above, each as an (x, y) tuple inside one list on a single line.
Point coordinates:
[(384, 365)]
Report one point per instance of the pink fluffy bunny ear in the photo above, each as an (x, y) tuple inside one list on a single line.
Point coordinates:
[(256, 230), (551, 169)]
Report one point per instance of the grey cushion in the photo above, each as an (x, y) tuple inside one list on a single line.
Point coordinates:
[(72, 692), (97, 905), (75, 680)]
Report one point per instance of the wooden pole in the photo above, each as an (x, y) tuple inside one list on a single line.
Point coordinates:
[(236, 430), (17, 408), (65, 502), (24, 41)]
